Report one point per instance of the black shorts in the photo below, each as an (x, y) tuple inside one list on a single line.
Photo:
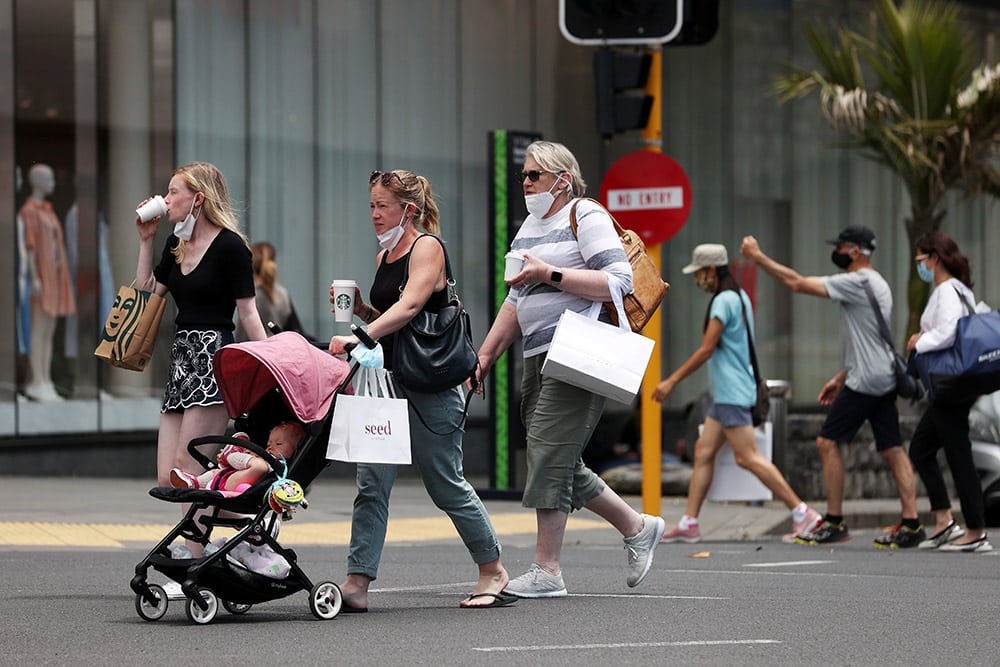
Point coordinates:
[(850, 410), (191, 379)]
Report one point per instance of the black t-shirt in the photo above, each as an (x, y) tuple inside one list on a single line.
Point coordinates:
[(385, 292), (206, 297)]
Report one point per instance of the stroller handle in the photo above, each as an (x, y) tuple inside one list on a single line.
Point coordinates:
[(363, 336)]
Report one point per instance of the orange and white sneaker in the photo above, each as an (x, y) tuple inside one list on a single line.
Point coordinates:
[(808, 524)]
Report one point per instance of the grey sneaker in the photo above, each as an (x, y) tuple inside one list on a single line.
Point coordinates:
[(537, 583), (639, 548)]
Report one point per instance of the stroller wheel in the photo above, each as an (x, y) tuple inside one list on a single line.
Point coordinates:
[(150, 612), (236, 607), (202, 616), (325, 600)]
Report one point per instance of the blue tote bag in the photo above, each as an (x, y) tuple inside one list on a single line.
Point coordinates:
[(970, 367)]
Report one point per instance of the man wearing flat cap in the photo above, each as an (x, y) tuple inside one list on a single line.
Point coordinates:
[(864, 389)]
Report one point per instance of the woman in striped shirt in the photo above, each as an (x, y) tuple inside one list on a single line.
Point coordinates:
[(562, 271)]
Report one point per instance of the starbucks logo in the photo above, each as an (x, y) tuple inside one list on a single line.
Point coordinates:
[(343, 302)]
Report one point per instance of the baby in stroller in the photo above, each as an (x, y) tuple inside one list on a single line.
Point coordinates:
[(240, 468)]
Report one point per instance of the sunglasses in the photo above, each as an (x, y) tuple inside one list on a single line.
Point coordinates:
[(532, 175), (384, 177)]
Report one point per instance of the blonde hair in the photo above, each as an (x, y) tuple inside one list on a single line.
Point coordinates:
[(558, 159), (206, 178), (265, 268), (410, 188)]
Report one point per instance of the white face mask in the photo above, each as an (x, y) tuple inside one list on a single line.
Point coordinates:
[(539, 204), (389, 239), (185, 227)]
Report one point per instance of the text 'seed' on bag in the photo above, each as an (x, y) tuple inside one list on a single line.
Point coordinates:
[(130, 331), (372, 426)]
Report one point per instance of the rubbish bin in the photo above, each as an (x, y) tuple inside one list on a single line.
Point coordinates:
[(779, 394)]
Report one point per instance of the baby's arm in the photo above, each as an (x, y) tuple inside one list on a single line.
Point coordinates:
[(255, 468)]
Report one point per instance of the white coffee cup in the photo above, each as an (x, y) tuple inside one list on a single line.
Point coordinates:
[(513, 263), (343, 299), (153, 207)]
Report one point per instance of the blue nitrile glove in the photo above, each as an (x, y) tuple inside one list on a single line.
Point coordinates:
[(369, 357)]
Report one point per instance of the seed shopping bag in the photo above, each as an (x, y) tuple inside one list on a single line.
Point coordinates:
[(372, 426)]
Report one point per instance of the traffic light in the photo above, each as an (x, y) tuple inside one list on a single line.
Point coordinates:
[(620, 21), (620, 79)]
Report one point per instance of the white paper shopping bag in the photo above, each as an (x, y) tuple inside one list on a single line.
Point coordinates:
[(372, 426), (607, 360)]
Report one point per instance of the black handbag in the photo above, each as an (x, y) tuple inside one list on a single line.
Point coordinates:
[(434, 351), (906, 384), (762, 406)]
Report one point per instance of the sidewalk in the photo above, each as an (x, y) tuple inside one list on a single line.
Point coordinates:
[(113, 512)]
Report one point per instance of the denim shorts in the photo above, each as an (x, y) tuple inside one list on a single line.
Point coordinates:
[(730, 415)]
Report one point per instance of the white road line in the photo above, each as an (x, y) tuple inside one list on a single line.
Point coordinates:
[(471, 584), (790, 562), (579, 647), (641, 596)]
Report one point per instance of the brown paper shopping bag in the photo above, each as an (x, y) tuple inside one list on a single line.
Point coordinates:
[(130, 331)]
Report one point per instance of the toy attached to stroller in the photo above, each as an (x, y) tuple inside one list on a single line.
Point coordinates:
[(263, 383)]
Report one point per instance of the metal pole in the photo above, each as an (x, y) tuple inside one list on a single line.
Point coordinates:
[(652, 419)]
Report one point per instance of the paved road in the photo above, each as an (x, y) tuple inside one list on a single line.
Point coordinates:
[(752, 601)]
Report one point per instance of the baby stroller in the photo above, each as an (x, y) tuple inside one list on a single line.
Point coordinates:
[(262, 383)]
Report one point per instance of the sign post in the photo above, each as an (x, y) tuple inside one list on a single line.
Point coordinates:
[(649, 193)]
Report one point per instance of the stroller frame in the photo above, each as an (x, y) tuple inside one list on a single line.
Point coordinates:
[(213, 578)]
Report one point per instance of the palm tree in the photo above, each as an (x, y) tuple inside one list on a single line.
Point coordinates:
[(929, 113)]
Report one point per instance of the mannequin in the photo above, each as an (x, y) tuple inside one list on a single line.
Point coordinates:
[(49, 279)]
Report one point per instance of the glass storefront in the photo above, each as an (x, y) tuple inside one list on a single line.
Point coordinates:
[(297, 101)]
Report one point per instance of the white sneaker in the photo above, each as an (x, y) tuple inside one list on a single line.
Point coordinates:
[(978, 546), (537, 583), (949, 533), (173, 590), (639, 548)]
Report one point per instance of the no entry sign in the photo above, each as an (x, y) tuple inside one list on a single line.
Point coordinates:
[(648, 193)]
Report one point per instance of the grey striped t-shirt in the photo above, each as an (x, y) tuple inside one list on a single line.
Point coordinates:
[(539, 306)]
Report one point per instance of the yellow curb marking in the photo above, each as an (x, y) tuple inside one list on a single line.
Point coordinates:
[(96, 535)]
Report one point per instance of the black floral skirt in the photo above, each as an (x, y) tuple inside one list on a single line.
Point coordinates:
[(191, 380)]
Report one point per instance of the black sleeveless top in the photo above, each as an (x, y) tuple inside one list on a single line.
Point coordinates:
[(385, 292)]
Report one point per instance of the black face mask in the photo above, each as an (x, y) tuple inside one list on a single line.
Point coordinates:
[(841, 259)]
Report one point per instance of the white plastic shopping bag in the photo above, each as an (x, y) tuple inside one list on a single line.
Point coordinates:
[(602, 358), (733, 483), (372, 426)]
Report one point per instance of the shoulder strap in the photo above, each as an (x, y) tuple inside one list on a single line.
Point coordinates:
[(753, 352), (883, 328), (447, 262), (968, 306), (572, 215)]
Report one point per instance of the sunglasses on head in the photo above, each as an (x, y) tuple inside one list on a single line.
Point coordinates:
[(384, 177), (532, 175)]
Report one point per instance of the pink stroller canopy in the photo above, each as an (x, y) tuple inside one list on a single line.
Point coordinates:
[(308, 377)]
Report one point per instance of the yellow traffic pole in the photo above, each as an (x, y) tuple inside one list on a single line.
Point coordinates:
[(652, 421)]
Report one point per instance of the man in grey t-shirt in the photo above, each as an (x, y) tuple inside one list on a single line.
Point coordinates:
[(864, 389)]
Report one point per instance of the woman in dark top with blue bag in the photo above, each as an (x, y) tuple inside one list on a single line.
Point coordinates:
[(400, 200), (206, 267)]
